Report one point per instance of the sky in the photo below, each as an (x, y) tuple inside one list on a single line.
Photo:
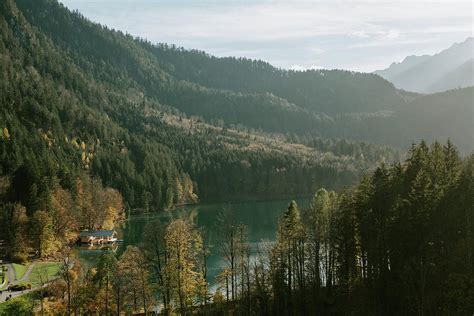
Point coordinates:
[(344, 34)]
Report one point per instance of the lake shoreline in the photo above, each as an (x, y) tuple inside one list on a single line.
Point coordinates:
[(259, 217), (223, 202)]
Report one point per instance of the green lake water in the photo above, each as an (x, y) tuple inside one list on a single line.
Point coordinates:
[(260, 217)]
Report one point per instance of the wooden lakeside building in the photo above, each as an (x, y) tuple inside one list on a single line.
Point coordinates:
[(98, 236)]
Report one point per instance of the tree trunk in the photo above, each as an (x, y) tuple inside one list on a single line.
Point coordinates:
[(107, 295), (118, 303)]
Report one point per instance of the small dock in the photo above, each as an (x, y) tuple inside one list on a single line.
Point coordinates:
[(98, 237)]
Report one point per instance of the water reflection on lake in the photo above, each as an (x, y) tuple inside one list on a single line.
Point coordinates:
[(260, 217)]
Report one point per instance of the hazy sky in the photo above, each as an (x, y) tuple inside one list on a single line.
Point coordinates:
[(350, 34)]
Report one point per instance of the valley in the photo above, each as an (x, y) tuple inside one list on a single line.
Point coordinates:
[(235, 187)]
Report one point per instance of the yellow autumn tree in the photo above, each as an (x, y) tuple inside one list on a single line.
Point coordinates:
[(179, 192), (62, 213), (188, 190), (113, 208), (6, 133), (42, 233), (17, 230), (186, 281), (97, 207), (133, 269)]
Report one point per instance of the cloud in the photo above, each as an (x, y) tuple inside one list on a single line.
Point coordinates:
[(361, 34), (392, 34), (342, 33), (302, 68), (317, 50)]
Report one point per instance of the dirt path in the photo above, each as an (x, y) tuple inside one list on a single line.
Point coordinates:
[(26, 276), (10, 273), (5, 294), (11, 276), (12, 280)]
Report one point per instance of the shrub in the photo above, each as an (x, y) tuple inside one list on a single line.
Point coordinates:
[(20, 287), (20, 257)]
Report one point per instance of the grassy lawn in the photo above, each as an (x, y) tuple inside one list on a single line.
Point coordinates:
[(22, 305), (19, 270), (51, 269)]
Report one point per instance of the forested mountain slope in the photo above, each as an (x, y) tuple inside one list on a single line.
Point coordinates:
[(78, 99), (163, 124), (462, 76), (435, 115), (232, 91), (440, 116), (94, 122), (328, 91)]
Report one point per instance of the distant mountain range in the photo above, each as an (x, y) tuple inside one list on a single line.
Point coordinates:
[(450, 69)]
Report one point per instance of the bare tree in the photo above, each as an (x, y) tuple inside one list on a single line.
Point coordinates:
[(66, 274), (42, 276), (155, 254), (229, 245)]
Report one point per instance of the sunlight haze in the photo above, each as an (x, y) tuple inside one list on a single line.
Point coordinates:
[(354, 35)]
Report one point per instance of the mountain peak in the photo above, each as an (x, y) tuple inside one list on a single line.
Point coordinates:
[(430, 73)]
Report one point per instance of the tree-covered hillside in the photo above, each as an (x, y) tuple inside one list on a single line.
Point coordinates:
[(163, 124), (96, 124), (440, 116), (328, 91), (254, 94), (399, 243), (79, 99)]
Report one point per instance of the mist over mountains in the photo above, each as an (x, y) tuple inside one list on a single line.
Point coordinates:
[(449, 69)]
